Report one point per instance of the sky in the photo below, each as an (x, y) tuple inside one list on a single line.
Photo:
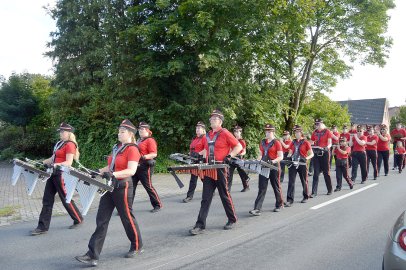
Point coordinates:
[(25, 28)]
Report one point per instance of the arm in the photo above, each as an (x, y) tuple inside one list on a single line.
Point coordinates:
[(279, 158), (150, 156), (47, 161), (237, 149), (360, 142), (329, 143), (130, 171), (371, 143), (310, 154)]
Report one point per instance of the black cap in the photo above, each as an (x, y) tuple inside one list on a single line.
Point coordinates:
[(297, 128), (359, 128), (383, 126), (66, 127), (201, 124), (333, 126), (217, 113), (269, 127), (343, 139), (128, 125), (236, 128), (143, 125), (285, 132), (345, 126), (318, 120)]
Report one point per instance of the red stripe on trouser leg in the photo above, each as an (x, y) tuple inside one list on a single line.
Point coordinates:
[(152, 188), (127, 211), (228, 194), (279, 182), (70, 204)]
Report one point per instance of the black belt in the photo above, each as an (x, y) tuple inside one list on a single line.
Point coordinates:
[(116, 182)]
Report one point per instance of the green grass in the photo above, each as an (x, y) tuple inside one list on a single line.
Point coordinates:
[(8, 211)]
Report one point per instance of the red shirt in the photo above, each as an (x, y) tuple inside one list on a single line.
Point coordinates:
[(400, 150), (147, 146), (197, 144), (382, 145), (130, 153), (366, 133), (352, 131), (273, 151), (303, 149), (337, 134), (396, 133), (68, 148), (371, 138), (289, 143), (341, 155), (225, 141), (357, 147), (243, 144), (346, 135), (323, 139)]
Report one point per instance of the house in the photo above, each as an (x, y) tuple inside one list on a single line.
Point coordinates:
[(368, 111)]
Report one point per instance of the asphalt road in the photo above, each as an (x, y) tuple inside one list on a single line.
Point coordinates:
[(347, 234)]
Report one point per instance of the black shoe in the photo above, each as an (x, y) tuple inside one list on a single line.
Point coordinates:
[(394, 168), (374, 178), (309, 173), (304, 200), (38, 231), (386, 174), (229, 225), (329, 193), (363, 182), (351, 186), (156, 209), (187, 199), (337, 189), (245, 189), (255, 212), (87, 260), (131, 253), (196, 231), (288, 204), (277, 209), (313, 195), (75, 225)]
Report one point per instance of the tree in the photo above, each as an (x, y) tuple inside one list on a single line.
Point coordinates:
[(18, 105), (315, 43)]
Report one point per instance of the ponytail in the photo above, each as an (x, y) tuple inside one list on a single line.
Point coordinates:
[(72, 138)]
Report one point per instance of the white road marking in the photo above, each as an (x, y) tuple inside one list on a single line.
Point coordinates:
[(342, 197)]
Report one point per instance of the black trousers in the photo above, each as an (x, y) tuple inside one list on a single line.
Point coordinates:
[(122, 199), (321, 164), (372, 157), (263, 186), (209, 186), (359, 158), (143, 175), (192, 185), (342, 166), (302, 171), (283, 165), (243, 175), (383, 156), (399, 162), (55, 184), (311, 167)]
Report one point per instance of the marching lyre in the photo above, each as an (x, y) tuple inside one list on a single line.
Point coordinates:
[(30, 173)]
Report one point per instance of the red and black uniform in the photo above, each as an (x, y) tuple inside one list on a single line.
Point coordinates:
[(300, 150), (335, 143), (383, 153), (372, 154), (145, 169), (196, 146), (217, 145), (269, 151), (342, 165), (285, 155), (399, 158), (321, 159), (120, 198), (347, 136), (55, 184), (243, 175), (359, 158), (397, 134)]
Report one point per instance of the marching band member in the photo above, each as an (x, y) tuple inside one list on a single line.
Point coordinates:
[(286, 142), (399, 155), (300, 150), (122, 164), (243, 175), (321, 137), (65, 151), (383, 149), (371, 148), (358, 142), (218, 143), (397, 134), (342, 152), (271, 151), (196, 151), (148, 150)]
